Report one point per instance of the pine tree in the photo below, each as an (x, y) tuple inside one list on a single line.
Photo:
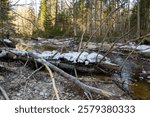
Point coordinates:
[(42, 14), (4, 16)]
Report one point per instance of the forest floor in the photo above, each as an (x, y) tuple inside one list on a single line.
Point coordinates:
[(20, 83)]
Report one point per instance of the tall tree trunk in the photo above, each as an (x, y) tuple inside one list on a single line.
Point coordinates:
[(100, 18), (87, 19), (74, 17), (129, 18), (138, 18), (56, 13), (82, 10), (95, 14), (91, 18)]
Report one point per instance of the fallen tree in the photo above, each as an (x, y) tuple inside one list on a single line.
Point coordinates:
[(18, 54), (81, 61)]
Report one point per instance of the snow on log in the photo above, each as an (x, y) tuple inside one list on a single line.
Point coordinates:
[(74, 57), (144, 50), (7, 41), (40, 59), (82, 61)]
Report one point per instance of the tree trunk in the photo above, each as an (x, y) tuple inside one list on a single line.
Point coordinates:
[(75, 17), (129, 18), (138, 18), (56, 13)]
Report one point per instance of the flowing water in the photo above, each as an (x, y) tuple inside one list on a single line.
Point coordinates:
[(140, 88)]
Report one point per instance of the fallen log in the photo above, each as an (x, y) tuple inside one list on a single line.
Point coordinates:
[(82, 62), (69, 77), (143, 50), (75, 80)]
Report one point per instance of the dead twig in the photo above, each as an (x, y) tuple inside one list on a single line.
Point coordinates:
[(80, 44), (69, 77), (4, 93), (75, 80), (111, 48), (131, 53), (53, 81), (75, 71), (30, 77)]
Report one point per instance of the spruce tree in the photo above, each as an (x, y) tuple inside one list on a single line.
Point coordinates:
[(42, 14), (4, 16)]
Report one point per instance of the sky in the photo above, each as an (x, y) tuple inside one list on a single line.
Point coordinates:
[(35, 3)]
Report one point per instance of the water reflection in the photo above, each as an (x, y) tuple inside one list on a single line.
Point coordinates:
[(141, 90)]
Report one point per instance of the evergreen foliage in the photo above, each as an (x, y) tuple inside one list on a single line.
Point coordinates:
[(4, 17)]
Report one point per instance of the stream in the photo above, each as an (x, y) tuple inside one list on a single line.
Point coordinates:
[(130, 75)]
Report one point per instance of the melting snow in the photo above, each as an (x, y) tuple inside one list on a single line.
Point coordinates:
[(74, 57), (71, 56), (142, 48), (93, 57), (22, 52), (83, 57), (7, 41)]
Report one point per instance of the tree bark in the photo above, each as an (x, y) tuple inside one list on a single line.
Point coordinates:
[(138, 18)]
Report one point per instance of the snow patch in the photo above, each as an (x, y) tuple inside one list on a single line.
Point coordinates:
[(22, 52), (83, 57), (74, 57), (142, 48), (94, 57), (7, 41), (71, 56)]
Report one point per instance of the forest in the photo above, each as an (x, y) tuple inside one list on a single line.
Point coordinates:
[(74, 49)]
